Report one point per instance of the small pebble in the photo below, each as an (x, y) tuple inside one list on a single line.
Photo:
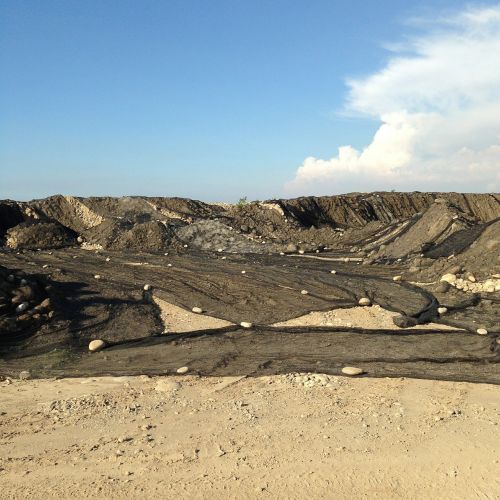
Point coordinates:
[(442, 310), (397, 278), (97, 276), (182, 370), (333, 271), (197, 310), (482, 331), (304, 292), (147, 287), (246, 324), (22, 307), (364, 301)]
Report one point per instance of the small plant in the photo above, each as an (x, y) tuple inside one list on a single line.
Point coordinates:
[(242, 202)]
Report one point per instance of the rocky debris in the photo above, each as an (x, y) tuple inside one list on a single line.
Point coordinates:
[(213, 235), (97, 345), (352, 371), (24, 303)]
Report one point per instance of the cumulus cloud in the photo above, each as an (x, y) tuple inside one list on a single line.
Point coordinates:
[(438, 101)]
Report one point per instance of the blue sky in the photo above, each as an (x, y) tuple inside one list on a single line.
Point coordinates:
[(210, 100)]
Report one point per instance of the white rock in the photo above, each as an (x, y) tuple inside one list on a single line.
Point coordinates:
[(23, 282), (182, 370), (482, 331), (450, 278), (282, 253), (302, 252), (108, 259), (246, 324), (352, 370), (333, 271), (397, 278), (304, 292), (223, 258), (169, 265), (220, 250), (96, 345), (471, 278), (243, 272), (147, 287), (22, 307), (185, 246), (97, 276), (166, 253), (197, 310), (364, 301), (442, 310)]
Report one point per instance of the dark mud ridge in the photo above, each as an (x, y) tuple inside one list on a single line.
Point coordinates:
[(73, 270)]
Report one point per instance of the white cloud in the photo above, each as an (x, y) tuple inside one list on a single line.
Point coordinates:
[(438, 100)]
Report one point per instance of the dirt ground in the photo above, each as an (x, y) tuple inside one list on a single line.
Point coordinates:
[(286, 436)]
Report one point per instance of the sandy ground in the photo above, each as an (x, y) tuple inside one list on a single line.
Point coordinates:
[(291, 436), (373, 317)]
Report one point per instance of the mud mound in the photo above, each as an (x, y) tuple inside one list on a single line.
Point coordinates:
[(11, 214), (68, 211), (33, 235), (116, 234), (421, 233), (24, 303), (481, 258), (357, 209), (212, 235)]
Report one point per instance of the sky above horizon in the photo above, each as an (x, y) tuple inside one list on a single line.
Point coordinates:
[(258, 98)]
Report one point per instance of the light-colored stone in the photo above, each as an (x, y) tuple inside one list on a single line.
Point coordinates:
[(442, 310), (22, 307), (197, 310), (246, 324), (482, 331), (97, 276), (147, 287), (182, 370), (333, 271), (450, 278), (352, 371), (397, 278), (471, 278), (302, 252), (304, 292), (96, 345), (364, 301)]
